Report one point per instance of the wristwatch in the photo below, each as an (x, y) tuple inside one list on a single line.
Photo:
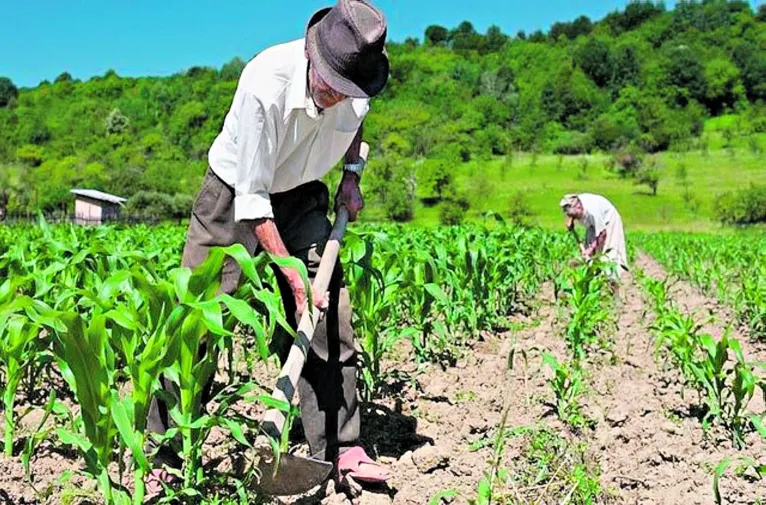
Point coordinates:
[(354, 168)]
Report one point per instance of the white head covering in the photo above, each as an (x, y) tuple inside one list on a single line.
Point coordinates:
[(568, 201)]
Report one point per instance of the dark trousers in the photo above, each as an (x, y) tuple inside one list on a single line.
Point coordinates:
[(327, 388)]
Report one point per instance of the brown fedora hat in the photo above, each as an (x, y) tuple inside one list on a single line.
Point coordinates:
[(346, 45)]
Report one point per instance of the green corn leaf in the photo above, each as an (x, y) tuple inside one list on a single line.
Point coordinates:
[(236, 431), (123, 319), (435, 291), (244, 260), (273, 403), (719, 471), (759, 425), (123, 414), (442, 495), (212, 317)]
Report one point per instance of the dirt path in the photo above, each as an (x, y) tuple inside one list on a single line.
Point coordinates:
[(656, 449)]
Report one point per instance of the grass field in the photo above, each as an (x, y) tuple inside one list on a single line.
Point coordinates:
[(543, 179)]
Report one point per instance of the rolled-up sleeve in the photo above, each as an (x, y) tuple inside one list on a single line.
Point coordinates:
[(256, 160)]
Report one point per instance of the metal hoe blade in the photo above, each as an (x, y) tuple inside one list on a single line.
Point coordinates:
[(295, 475)]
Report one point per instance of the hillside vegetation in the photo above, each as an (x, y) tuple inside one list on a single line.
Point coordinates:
[(460, 110)]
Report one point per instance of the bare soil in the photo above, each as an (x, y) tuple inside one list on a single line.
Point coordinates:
[(647, 437)]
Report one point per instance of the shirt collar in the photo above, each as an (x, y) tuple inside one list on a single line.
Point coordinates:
[(298, 96)]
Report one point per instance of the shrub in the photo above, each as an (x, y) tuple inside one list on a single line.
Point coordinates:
[(746, 206), (572, 143), (452, 211), (627, 161), (400, 198), (649, 175), (519, 210), (30, 155), (155, 205)]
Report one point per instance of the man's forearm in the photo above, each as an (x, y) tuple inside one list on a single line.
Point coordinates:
[(597, 244), (269, 238), (352, 153)]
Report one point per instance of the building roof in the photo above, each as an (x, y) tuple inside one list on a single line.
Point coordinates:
[(99, 195)]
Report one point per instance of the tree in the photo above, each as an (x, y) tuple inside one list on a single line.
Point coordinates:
[(452, 212), (537, 37), (437, 178), (519, 209), (116, 122), (594, 60), (411, 42), (626, 68), (559, 30), (232, 70), (628, 161), (635, 14), (581, 26), (685, 75), (400, 196), (436, 35), (495, 39), (63, 77), (649, 174), (761, 15), (465, 37), (752, 64), (8, 92), (724, 86)]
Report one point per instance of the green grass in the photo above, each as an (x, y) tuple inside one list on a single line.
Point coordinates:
[(544, 179)]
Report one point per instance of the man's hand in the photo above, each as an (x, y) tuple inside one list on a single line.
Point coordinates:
[(349, 195), (321, 300), (268, 237), (570, 223)]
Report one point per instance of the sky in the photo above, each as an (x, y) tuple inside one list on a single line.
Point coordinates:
[(41, 39)]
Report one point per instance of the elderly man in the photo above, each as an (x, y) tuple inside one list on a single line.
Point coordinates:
[(603, 227), (298, 109)]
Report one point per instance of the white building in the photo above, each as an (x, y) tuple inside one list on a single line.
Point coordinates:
[(95, 207)]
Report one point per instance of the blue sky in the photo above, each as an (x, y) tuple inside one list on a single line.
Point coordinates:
[(40, 39)]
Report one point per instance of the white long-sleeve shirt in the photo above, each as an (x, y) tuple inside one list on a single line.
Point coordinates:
[(601, 215), (274, 138)]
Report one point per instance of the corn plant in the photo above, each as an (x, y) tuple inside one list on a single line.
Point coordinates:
[(22, 349), (585, 291), (742, 464), (729, 386), (726, 385), (420, 281), (374, 292), (87, 362), (751, 301), (199, 319), (567, 385)]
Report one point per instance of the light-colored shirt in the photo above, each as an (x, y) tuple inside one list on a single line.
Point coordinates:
[(601, 215), (598, 212), (274, 138)]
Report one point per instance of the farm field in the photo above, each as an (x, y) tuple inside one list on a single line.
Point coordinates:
[(494, 367)]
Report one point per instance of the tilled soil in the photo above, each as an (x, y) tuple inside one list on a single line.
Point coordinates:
[(646, 436)]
